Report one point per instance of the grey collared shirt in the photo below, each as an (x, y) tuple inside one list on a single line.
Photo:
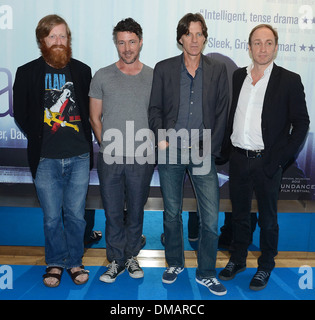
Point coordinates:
[(190, 107)]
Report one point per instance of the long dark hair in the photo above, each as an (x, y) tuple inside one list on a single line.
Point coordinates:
[(184, 23)]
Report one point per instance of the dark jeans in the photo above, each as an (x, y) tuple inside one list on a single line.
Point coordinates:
[(246, 176), (206, 189), (89, 218), (122, 184)]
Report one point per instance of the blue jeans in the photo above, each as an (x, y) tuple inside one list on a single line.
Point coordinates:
[(61, 186), (206, 188)]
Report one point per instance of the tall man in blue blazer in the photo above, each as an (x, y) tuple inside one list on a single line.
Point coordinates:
[(51, 106), (190, 94), (267, 125)]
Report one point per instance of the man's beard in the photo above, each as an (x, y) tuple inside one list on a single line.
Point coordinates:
[(57, 58), (128, 61)]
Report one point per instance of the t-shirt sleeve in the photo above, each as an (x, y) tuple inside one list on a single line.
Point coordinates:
[(96, 86)]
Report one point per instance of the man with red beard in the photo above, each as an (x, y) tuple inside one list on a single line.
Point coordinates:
[(51, 106)]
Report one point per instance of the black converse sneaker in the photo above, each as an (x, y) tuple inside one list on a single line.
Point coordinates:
[(113, 271), (132, 265)]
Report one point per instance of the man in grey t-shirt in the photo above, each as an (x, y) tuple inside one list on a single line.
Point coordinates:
[(119, 100)]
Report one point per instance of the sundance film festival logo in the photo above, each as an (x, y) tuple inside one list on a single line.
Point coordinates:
[(184, 147)]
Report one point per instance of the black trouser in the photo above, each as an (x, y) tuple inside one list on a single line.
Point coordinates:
[(246, 176)]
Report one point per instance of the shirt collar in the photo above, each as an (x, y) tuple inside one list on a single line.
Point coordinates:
[(266, 72), (184, 66)]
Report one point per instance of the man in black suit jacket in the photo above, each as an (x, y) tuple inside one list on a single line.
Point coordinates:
[(51, 106), (267, 125), (190, 92)]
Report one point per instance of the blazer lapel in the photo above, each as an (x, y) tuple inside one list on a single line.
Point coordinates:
[(38, 78), (272, 87), (76, 81), (207, 74), (175, 80)]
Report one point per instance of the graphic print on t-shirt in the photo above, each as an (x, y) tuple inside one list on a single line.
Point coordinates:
[(61, 110), (63, 133)]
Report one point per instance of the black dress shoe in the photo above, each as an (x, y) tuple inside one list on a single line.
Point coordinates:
[(231, 270), (143, 241), (259, 280), (94, 237), (163, 239)]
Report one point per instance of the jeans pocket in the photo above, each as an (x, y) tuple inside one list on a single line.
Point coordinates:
[(84, 155)]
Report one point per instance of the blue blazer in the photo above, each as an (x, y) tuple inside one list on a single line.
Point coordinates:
[(284, 120), (28, 103), (165, 98)]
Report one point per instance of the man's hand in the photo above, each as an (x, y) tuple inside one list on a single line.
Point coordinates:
[(163, 145)]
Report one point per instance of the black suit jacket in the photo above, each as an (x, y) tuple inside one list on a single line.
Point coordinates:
[(284, 121), (165, 98), (28, 103)]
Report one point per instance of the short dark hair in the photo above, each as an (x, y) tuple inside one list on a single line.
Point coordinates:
[(184, 23), (268, 26), (128, 25)]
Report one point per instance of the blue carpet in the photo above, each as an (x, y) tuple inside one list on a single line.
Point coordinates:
[(24, 227), (27, 285)]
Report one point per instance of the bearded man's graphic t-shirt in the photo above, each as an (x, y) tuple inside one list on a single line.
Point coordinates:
[(63, 133)]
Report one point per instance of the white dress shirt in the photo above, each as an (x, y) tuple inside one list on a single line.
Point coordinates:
[(247, 120)]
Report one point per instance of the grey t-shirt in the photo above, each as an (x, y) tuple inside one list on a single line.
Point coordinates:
[(125, 100)]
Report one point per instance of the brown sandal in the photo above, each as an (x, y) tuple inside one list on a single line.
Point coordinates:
[(74, 275), (52, 275)]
